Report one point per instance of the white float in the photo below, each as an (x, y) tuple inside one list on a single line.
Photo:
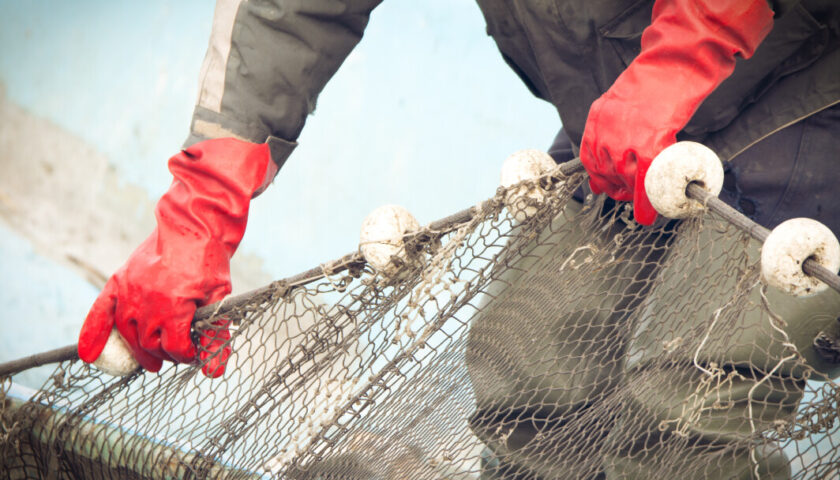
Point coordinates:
[(673, 169), (525, 165), (786, 249), (116, 358), (381, 237)]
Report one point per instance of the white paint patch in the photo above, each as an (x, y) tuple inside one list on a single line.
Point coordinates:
[(66, 198)]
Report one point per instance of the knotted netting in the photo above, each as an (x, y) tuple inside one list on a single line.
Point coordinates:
[(569, 342)]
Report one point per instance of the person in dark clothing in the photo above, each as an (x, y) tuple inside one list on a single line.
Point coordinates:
[(743, 77)]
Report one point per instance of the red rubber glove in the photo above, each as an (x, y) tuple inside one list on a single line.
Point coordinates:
[(185, 263), (687, 51)]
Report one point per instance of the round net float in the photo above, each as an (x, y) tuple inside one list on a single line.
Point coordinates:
[(116, 358), (381, 237), (523, 200), (673, 169), (786, 249)]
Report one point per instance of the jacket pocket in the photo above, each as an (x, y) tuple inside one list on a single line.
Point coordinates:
[(623, 33)]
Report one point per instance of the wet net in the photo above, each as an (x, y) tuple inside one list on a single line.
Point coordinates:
[(563, 342)]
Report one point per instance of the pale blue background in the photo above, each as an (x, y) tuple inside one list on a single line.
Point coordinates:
[(422, 114)]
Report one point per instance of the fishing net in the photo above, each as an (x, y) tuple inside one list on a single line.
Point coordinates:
[(568, 342)]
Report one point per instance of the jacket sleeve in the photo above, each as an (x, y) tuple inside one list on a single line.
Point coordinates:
[(266, 63)]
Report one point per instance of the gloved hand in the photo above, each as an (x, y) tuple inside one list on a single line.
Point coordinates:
[(687, 51), (184, 264)]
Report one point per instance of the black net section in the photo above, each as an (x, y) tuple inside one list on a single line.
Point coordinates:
[(566, 342)]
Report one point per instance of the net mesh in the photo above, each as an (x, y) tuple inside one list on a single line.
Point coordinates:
[(572, 343)]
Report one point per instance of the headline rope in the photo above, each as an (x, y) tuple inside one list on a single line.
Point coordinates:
[(355, 260)]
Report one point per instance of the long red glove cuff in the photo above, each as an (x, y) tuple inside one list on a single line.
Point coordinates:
[(184, 264), (687, 52)]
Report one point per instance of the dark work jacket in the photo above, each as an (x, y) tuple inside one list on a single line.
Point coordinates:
[(569, 52), (269, 60)]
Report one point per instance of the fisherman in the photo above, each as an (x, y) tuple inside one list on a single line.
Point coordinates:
[(755, 80)]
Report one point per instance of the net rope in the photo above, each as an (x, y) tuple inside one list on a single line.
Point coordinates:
[(572, 344)]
